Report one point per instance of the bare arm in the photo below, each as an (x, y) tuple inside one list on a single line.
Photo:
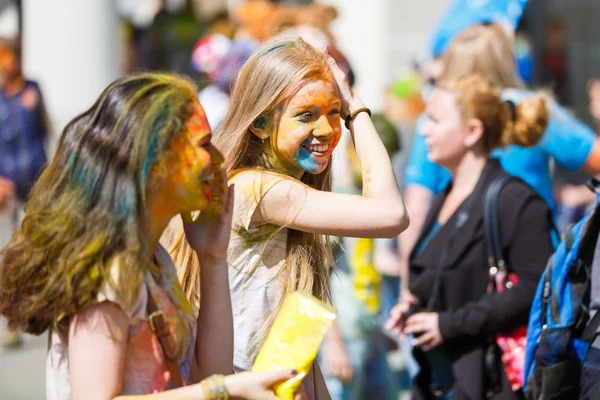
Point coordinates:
[(97, 347), (379, 212), (592, 164), (97, 350), (214, 343), (209, 237)]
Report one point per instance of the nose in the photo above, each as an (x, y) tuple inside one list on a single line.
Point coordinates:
[(426, 130), (323, 129)]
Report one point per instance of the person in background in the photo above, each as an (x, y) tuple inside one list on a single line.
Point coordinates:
[(24, 129), (448, 309), (594, 96), (486, 49), (220, 58), (354, 353)]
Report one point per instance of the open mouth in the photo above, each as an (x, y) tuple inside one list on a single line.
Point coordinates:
[(319, 149)]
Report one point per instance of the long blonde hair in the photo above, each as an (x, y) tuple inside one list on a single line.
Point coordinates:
[(504, 123), (484, 49), (267, 80)]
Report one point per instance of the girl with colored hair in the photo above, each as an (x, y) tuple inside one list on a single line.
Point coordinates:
[(86, 264), (277, 139), (450, 310)]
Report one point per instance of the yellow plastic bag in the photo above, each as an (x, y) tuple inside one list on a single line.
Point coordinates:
[(294, 340)]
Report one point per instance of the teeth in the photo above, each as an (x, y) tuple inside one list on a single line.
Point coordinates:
[(321, 148)]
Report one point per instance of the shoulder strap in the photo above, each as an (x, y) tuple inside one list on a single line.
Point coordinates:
[(160, 327), (493, 241)]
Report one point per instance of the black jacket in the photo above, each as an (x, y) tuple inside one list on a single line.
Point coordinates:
[(467, 314)]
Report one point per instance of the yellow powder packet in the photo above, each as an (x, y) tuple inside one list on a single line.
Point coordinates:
[(294, 340)]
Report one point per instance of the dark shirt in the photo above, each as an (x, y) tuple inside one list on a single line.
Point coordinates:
[(468, 315), (22, 136)]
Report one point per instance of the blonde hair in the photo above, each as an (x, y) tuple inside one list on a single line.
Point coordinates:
[(267, 80), (504, 123), (484, 49)]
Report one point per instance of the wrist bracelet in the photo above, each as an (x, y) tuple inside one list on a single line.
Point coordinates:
[(353, 115), (214, 388)]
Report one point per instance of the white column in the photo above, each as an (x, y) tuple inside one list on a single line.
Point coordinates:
[(362, 32), (72, 48)]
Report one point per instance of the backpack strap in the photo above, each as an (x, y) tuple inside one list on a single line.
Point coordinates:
[(160, 327), (581, 273), (590, 331)]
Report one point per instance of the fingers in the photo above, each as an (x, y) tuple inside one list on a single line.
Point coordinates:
[(271, 378), (396, 321), (424, 341), (416, 323), (346, 372)]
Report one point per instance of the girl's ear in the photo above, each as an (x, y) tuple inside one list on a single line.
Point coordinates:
[(475, 131), (259, 128)]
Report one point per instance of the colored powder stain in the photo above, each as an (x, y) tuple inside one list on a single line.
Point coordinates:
[(152, 150), (306, 161)]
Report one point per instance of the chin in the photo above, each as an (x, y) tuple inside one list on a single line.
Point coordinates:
[(317, 170)]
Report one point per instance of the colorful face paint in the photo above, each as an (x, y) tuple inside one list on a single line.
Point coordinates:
[(309, 128), (189, 174)]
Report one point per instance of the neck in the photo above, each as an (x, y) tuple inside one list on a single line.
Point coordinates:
[(466, 173), (12, 86), (159, 217)]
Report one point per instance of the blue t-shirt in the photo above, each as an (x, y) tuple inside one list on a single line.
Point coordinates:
[(567, 140)]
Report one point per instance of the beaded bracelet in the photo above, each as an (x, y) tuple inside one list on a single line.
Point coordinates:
[(214, 388), (353, 115)]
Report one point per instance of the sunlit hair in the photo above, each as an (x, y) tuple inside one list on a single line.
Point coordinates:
[(484, 49), (504, 124), (85, 224), (266, 81)]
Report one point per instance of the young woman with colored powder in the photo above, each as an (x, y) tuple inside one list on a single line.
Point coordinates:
[(277, 139), (86, 263)]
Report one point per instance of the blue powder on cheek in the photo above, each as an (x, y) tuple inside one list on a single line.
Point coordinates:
[(305, 161)]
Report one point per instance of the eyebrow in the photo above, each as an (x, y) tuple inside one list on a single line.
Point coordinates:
[(305, 105)]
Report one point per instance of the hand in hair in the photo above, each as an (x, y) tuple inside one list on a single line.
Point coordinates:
[(349, 100), (209, 235)]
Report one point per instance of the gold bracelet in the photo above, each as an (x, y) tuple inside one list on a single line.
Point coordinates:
[(214, 388), (353, 115)]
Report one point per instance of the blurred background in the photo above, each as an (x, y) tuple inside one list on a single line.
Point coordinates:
[(74, 48)]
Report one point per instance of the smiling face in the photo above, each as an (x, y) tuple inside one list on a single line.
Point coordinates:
[(444, 130), (309, 128), (189, 175)]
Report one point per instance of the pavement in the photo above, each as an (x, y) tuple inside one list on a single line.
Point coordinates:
[(23, 369)]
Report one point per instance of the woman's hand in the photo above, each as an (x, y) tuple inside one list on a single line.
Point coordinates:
[(256, 385), (397, 321), (427, 326), (208, 234), (349, 101)]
